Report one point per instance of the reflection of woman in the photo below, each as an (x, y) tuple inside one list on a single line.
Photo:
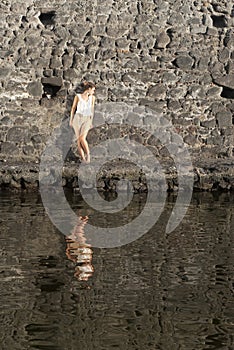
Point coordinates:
[(81, 117), (79, 251)]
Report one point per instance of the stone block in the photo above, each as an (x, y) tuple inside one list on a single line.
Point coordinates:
[(228, 133), (35, 89), (162, 40), (213, 32), (19, 121), (107, 54), (153, 141), (54, 81), (6, 121), (9, 148), (158, 91), (177, 93), (113, 132), (18, 134), (28, 150), (4, 73), (198, 29), (224, 55), (37, 138), (230, 66), (210, 123), (2, 136), (99, 30), (190, 139), (227, 80), (137, 138), (197, 91), (207, 20), (169, 78), (67, 61), (215, 141), (184, 62), (203, 63), (216, 107), (71, 74), (205, 79), (174, 105), (33, 41), (224, 119), (133, 119), (214, 91), (122, 44), (55, 62), (133, 63), (183, 119), (150, 121), (115, 32), (48, 73), (175, 19)]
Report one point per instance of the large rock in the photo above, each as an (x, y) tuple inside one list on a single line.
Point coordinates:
[(227, 80), (9, 148), (184, 62), (54, 81), (224, 119), (18, 134), (35, 89), (158, 91), (162, 40)]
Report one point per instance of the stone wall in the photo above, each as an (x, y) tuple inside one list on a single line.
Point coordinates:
[(175, 56)]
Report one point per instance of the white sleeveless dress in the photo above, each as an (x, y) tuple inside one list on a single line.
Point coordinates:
[(83, 117)]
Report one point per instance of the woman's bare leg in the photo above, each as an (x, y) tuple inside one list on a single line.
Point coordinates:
[(85, 146), (80, 149)]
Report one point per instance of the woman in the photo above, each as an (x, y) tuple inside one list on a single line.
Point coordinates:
[(81, 117)]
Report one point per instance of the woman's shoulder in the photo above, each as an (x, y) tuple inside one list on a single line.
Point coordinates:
[(78, 97)]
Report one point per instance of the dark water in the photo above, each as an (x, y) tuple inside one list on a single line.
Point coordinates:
[(162, 291)]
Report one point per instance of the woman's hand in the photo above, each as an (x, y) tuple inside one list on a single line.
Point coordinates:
[(91, 125)]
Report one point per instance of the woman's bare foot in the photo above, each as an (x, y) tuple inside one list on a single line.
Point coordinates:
[(85, 161), (88, 158)]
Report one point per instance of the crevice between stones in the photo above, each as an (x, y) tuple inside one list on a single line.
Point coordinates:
[(51, 86), (226, 83), (227, 93), (47, 18), (219, 21)]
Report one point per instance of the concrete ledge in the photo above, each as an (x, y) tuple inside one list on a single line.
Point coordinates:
[(209, 175)]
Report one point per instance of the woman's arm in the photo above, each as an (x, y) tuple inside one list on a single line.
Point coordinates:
[(93, 102), (73, 109)]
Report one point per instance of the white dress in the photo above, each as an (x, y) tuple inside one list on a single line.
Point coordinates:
[(83, 117)]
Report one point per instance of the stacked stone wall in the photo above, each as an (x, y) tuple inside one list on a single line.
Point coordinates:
[(176, 57)]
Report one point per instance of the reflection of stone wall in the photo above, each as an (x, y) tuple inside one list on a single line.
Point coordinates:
[(175, 57)]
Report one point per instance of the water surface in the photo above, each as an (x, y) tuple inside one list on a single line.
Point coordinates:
[(161, 291)]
